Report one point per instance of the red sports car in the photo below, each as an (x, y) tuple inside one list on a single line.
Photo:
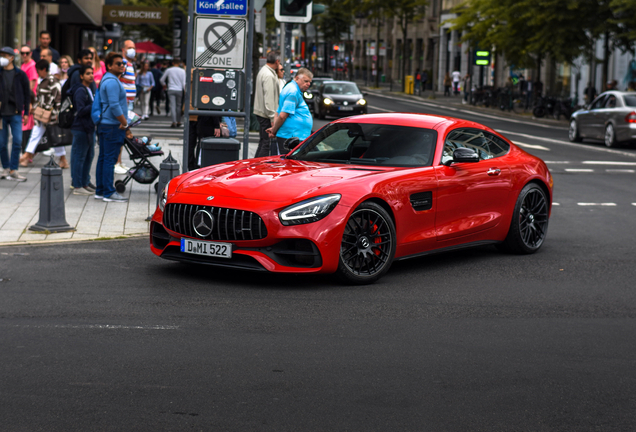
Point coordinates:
[(356, 195)]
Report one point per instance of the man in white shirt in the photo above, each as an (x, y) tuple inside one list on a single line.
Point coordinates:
[(176, 78), (47, 55), (457, 77)]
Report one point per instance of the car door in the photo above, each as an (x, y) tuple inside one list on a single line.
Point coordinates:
[(589, 122), (472, 197), (604, 114)]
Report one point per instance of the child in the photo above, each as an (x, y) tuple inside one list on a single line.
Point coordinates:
[(143, 141)]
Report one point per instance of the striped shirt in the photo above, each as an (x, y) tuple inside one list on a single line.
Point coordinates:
[(128, 81)]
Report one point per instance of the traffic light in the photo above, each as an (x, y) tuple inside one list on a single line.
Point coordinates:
[(482, 58), (293, 11), (109, 42)]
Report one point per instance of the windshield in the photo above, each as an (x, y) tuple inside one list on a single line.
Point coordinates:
[(369, 144), (317, 82), (341, 89)]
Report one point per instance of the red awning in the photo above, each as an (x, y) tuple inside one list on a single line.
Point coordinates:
[(150, 47)]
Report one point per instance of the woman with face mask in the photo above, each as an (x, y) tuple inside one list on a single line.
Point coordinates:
[(65, 64)]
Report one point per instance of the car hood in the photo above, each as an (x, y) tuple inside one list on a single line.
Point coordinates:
[(272, 179), (342, 98)]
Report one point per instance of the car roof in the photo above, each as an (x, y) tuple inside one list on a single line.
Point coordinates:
[(333, 81), (428, 121)]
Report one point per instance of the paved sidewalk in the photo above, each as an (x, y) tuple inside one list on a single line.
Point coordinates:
[(93, 219)]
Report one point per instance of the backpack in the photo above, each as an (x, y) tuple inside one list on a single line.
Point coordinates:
[(67, 110), (67, 114), (96, 110)]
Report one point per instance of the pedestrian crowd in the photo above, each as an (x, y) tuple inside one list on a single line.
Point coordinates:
[(49, 101)]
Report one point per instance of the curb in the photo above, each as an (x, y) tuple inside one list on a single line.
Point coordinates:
[(468, 107), (96, 239)]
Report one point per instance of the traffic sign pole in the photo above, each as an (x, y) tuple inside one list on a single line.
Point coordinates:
[(188, 91), (248, 79), (234, 5)]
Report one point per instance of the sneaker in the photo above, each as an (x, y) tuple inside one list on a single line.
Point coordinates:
[(5, 173), (15, 176), (90, 187), (81, 191), (119, 169), (101, 197), (115, 197)]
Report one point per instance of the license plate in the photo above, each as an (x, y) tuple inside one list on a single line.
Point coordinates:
[(207, 248), (343, 108)]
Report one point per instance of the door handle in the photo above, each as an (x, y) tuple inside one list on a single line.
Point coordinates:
[(494, 171)]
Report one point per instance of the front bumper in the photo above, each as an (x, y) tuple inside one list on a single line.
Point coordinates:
[(308, 248), (337, 110)]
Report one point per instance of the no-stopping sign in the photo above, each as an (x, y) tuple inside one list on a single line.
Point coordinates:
[(219, 43)]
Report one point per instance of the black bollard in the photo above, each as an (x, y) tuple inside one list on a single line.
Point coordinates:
[(52, 214), (168, 170)]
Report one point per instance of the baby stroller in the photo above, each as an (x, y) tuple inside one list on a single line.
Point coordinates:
[(144, 171)]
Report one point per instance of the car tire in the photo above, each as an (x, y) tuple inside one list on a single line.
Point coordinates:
[(529, 225), (573, 133), (368, 245), (610, 136)]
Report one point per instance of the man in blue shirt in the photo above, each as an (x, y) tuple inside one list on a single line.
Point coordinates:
[(293, 118), (111, 128)]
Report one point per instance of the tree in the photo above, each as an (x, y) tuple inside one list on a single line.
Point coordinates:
[(406, 11), (337, 20), (525, 31)]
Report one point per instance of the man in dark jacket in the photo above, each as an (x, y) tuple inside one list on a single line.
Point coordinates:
[(14, 103), (45, 43), (157, 90), (84, 58)]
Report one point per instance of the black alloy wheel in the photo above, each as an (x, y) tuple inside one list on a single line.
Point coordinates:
[(529, 225), (368, 245)]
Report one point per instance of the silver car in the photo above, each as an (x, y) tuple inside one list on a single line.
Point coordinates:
[(611, 117)]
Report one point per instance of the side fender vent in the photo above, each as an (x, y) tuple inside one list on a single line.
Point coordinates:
[(422, 201)]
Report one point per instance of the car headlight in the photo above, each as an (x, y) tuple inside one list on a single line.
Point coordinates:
[(361, 102), (328, 101), (164, 197), (308, 95), (310, 210)]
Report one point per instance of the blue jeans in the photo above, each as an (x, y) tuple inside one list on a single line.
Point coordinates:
[(111, 138), (15, 123), (82, 153)]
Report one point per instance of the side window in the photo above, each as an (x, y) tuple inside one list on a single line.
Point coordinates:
[(339, 140), (611, 102), (487, 145), (598, 103)]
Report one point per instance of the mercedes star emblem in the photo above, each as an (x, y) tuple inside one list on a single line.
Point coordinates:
[(202, 222), (210, 198), (345, 103)]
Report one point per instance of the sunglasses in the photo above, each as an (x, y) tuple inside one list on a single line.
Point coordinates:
[(25, 52), (119, 63)]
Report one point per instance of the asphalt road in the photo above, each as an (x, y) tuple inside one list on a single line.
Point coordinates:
[(104, 336)]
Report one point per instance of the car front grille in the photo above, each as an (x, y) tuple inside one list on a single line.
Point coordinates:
[(228, 224)]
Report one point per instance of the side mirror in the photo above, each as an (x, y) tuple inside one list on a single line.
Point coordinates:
[(463, 154), (365, 94), (291, 143)]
